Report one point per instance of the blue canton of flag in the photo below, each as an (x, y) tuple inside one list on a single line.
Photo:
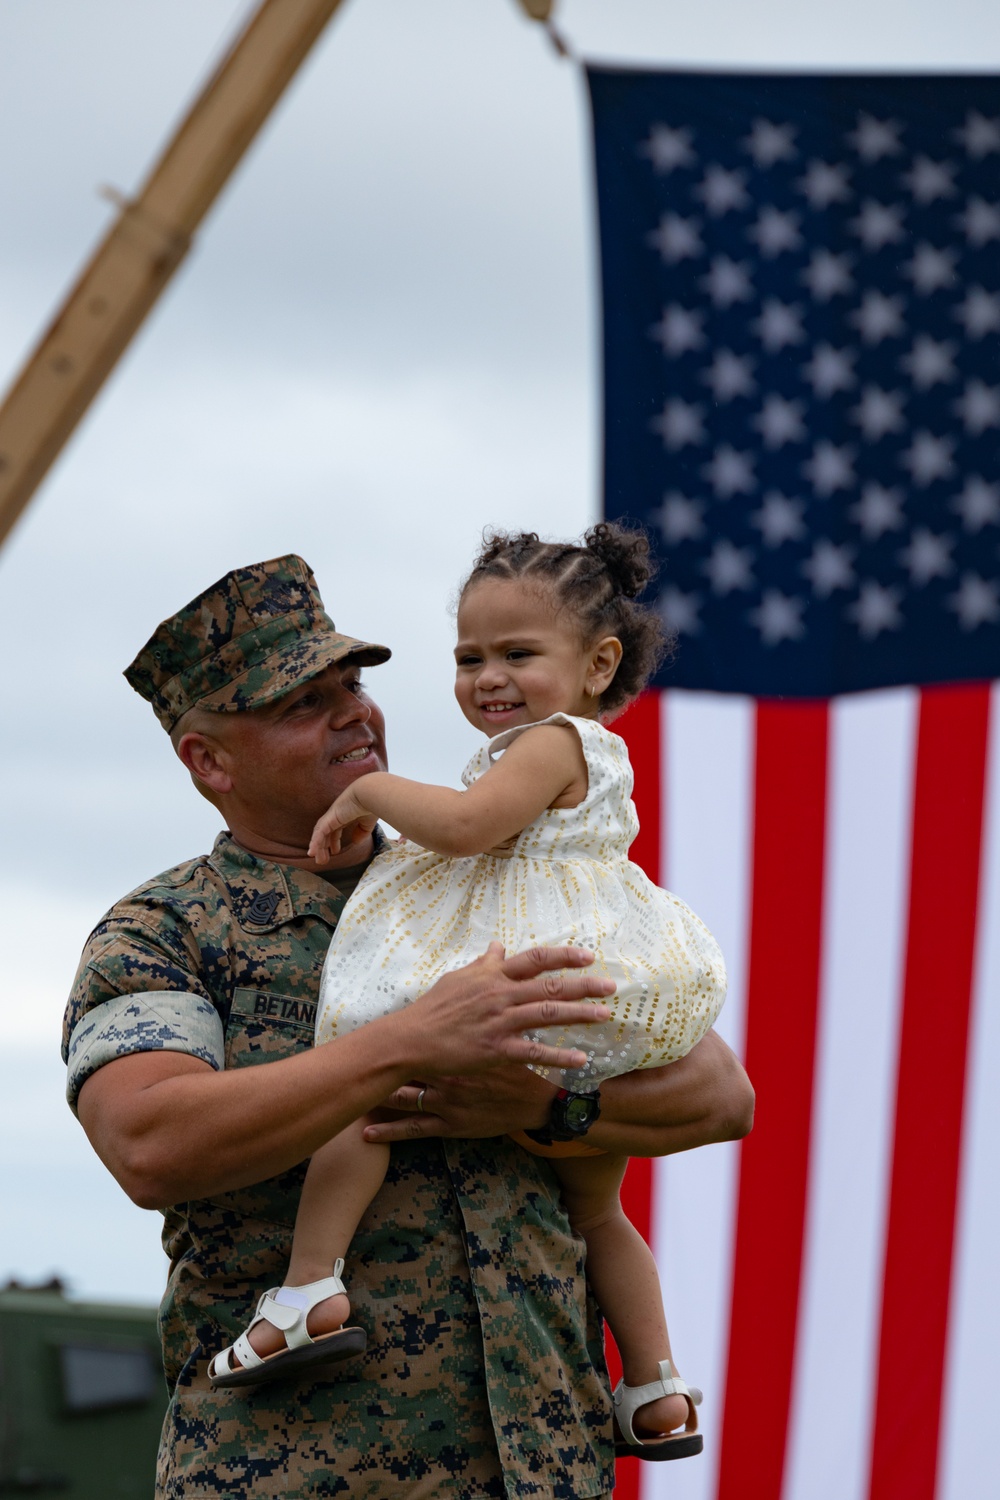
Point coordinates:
[(802, 397)]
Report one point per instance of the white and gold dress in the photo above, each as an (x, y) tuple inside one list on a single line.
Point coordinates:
[(565, 879)]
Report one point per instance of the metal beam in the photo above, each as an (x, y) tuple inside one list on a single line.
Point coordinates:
[(145, 245)]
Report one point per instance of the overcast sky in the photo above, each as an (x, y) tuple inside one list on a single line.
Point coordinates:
[(384, 339)]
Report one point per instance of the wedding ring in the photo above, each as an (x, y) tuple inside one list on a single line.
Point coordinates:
[(420, 1101)]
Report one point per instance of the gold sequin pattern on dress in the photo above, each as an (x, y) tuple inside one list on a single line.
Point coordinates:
[(565, 879)]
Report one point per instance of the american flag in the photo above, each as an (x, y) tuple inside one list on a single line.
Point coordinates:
[(801, 286)]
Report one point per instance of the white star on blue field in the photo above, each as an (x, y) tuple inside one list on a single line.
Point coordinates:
[(802, 387)]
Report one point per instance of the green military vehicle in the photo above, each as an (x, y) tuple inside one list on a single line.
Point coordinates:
[(82, 1396)]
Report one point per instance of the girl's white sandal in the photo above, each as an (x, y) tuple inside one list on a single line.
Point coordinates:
[(287, 1308), (627, 1401)]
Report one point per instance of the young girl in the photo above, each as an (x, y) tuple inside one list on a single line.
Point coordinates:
[(550, 642)]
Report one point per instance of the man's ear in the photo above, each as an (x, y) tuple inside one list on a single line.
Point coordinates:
[(604, 660), (206, 760)]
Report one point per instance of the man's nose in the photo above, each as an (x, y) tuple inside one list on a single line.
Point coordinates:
[(347, 708)]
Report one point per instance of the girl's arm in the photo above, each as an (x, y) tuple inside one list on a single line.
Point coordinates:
[(544, 765)]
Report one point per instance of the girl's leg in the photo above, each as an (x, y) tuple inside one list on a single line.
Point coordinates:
[(625, 1281), (342, 1179)]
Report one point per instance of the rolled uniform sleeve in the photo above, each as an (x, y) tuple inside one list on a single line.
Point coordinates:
[(156, 1021), (136, 990)]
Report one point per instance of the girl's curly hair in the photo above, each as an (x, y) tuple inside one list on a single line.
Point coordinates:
[(600, 581)]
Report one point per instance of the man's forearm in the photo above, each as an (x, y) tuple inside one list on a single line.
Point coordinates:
[(704, 1098), (169, 1127)]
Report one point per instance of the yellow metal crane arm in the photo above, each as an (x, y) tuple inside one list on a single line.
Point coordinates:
[(146, 243)]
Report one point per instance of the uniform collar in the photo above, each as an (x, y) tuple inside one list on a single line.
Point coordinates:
[(264, 895)]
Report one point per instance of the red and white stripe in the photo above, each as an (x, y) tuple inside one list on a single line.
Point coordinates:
[(832, 1283)]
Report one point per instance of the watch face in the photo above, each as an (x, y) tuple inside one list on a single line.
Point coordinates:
[(571, 1115), (579, 1112)]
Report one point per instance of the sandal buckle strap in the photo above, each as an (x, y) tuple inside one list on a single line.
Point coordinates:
[(245, 1353)]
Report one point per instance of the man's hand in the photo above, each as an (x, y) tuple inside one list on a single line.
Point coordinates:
[(495, 1103), (475, 1018)]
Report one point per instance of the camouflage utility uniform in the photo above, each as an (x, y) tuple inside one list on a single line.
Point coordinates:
[(484, 1374)]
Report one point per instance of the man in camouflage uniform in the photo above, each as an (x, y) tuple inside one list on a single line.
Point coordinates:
[(484, 1373)]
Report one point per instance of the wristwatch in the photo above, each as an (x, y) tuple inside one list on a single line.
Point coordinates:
[(570, 1117)]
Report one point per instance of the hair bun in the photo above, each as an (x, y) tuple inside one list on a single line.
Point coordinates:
[(625, 555)]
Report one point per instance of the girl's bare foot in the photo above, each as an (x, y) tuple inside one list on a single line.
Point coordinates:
[(659, 1418)]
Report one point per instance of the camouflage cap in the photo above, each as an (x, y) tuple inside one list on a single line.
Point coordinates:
[(242, 643)]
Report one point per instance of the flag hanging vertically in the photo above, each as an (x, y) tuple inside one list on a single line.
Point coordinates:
[(801, 283)]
